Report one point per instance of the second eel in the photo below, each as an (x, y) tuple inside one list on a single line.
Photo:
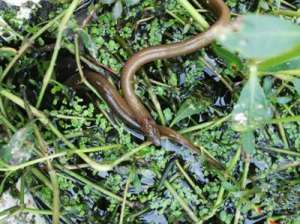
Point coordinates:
[(120, 107)]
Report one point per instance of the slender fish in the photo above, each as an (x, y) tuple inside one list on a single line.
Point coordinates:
[(120, 107), (141, 115)]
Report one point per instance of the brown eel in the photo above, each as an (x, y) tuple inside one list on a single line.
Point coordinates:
[(120, 107), (138, 111)]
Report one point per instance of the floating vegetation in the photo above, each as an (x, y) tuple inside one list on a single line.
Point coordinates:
[(223, 119)]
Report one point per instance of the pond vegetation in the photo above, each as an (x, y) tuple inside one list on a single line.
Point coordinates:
[(66, 151)]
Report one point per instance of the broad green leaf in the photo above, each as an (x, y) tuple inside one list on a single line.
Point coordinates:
[(261, 37), (252, 109), (296, 82), (188, 108), (88, 43), (20, 147), (248, 142)]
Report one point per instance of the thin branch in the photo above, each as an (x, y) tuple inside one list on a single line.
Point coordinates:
[(61, 29)]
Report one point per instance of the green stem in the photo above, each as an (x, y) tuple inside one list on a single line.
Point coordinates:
[(54, 183), (285, 120), (188, 179), (56, 155), (10, 212), (290, 13), (7, 123), (182, 22), (61, 29), (55, 195), (243, 186), (22, 190), (36, 172), (92, 185), (28, 44), (182, 203), (4, 180), (283, 135), (90, 64), (2, 107), (286, 3), (216, 206), (129, 154), (83, 79), (283, 151), (216, 73), (281, 130), (246, 171), (125, 197), (234, 160), (5, 26), (67, 136), (219, 200), (206, 125), (290, 72), (237, 215), (67, 117), (194, 13), (154, 99), (37, 211)]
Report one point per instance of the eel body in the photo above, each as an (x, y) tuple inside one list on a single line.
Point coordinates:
[(165, 51), (130, 109), (120, 107)]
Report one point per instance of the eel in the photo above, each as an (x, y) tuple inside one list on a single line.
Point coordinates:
[(147, 55), (120, 107)]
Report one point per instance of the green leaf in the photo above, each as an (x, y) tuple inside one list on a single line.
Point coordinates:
[(283, 99), (7, 52), (188, 108), (20, 147), (291, 64), (248, 142), (262, 36), (296, 82), (230, 59), (117, 10), (168, 114), (280, 59), (88, 43), (252, 109)]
